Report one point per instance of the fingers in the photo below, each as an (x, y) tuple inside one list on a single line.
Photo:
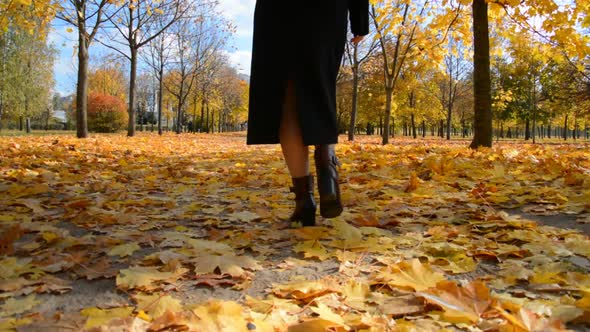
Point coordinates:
[(357, 39)]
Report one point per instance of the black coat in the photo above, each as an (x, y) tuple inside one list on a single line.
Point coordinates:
[(303, 41)]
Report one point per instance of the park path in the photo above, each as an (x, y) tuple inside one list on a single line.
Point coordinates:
[(149, 229)]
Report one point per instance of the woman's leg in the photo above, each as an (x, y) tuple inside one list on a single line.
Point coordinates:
[(326, 165), (297, 159), (295, 152)]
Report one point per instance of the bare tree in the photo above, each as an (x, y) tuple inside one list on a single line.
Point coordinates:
[(135, 26), (86, 16), (198, 44), (157, 57), (455, 81), (356, 60)]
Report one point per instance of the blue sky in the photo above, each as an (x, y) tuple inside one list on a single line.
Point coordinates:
[(240, 12)]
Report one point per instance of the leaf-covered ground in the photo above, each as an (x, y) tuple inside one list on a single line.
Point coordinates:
[(189, 232)]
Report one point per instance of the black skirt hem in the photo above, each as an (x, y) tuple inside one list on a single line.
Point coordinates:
[(277, 141)]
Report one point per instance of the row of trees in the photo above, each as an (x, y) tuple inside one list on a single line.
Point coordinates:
[(437, 65), (180, 42), (223, 107), (166, 56), (453, 66)]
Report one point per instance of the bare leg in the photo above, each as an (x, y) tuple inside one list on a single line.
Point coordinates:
[(295, 152)]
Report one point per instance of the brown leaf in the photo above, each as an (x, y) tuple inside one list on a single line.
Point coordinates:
[(461, 304), (8, 238)]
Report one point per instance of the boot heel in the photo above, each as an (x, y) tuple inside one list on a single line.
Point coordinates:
[(326, 165), (305, 206), (308, 217)]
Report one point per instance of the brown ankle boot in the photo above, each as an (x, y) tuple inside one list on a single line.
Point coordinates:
[(305, 206), (326, 165)]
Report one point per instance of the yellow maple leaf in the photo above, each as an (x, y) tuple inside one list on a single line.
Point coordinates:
[(220, 316), (227, 264), (124, 250), (410, 274), (14, 306), (98, 317), (155, 305), (527, 321), (142, 277), (312, 249), (13, 323), (304, 290), (326, 313), (461, 304)]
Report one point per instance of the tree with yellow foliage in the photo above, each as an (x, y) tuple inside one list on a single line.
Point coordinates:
[(403, 34), (32, 16), (108, 78), (559, 26)]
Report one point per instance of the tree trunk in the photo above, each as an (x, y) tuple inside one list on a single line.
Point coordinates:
[(207, 119), (449, 117), (527, 129), (82, 85), (576, 133), (388, 100), (28, 125), (160, 97), (212, 121), (534, 102), (179, 117), (194, 126), (482, 126), (565, 128), (423, 128), (202, 113), (355, 86), (1, 111), (132, 78), (48, 114), (414, 134)]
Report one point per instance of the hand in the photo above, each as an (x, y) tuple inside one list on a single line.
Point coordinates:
[(357, 39)]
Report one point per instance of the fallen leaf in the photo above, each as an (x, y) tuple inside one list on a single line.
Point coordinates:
[(97, 317), (14, 306), (410, 274), (144, 278), (226, 264), (124, 250), (461, 304), (155, 305)]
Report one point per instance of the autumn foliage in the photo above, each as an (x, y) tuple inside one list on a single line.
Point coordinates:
[(189, 232), (106, 113)]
